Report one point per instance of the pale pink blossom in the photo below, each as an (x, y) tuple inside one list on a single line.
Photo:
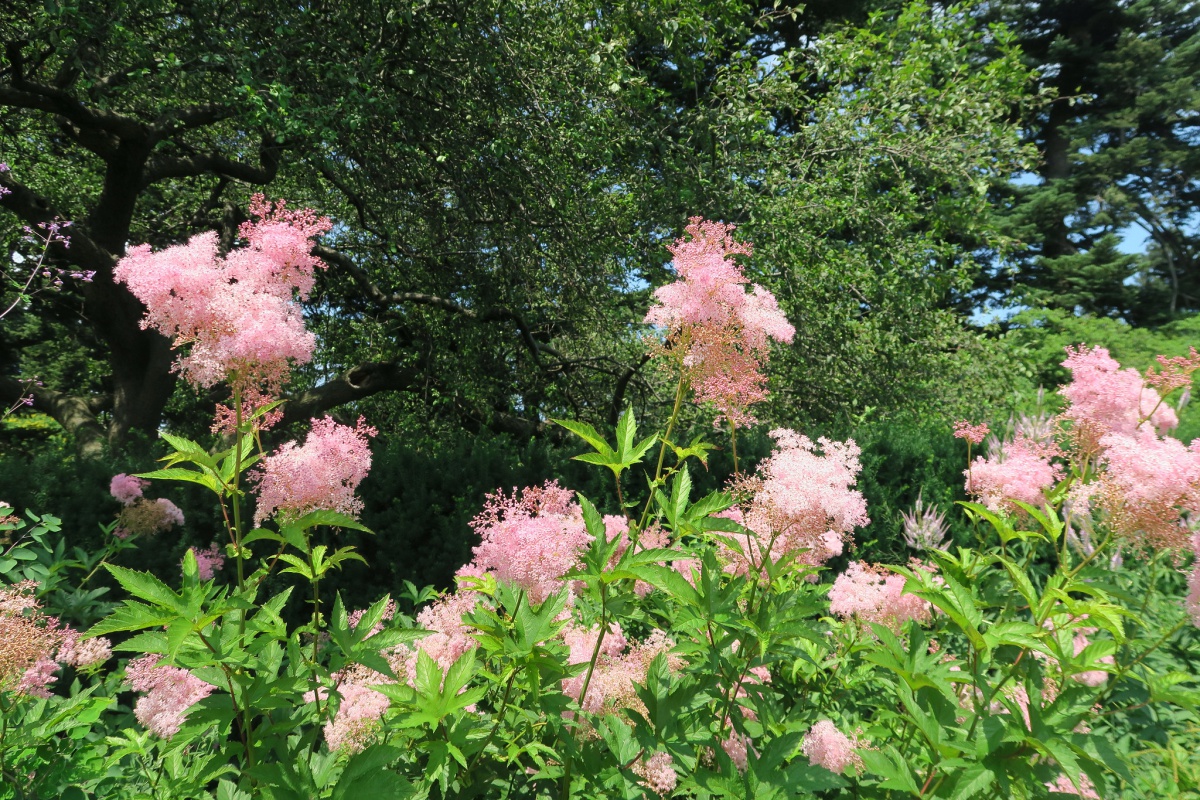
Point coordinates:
[(1173, 373), (1062, 784), (972, 433), (874, 594), (828, 747), (719, 332), (737, 747), (80, 653), (803, 502), (532, 538), (1106, 399), (357, 720), (620, 667), (127, 488), (1023, 470), (29, 639), (36, 679), (239, 313), (657, 773), (321, 474), (147, 517), (208, 561), (1147, 481), (170, 692), (171, 513)]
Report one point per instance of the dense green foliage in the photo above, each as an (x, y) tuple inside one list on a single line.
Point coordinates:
[(503, 179)]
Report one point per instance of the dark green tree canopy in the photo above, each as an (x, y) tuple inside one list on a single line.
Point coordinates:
[(503, 178)]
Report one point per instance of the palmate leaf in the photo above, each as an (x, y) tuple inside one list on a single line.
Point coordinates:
[(131, 616), (627, 452), (147, 587), (367, 776), (185, 475)]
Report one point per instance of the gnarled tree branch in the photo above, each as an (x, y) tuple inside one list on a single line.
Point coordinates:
[(77, 415), (356, 383)]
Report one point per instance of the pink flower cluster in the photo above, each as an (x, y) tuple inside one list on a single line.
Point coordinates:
[(357, 719), (79, 653), (33, 644), (1021, 470), (141, 515), (321, 474), (873, 594), (127, 488), (239, 312), (532, 538), (170, 692), (1106, 399), (719, 332), (1147, 480), (621, 665), (972, 433), (657, 773), (208, 561), (828, 747), (1062, 784), (802, 502)]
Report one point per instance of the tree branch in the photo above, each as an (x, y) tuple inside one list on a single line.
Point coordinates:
[(161, 167), (614, 412), (356, 383), (34, 209), (383, 298), (77, 415), (182, 119), (38, 96)]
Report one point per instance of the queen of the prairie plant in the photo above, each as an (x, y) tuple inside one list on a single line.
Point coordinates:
[(170, 692), (320, 474), (239, 312), (531, 538), (873, 594), (33, 644), (1022, 469), (802, 502), (1105, 399), (719, 332), (828, 747), (657, 773)]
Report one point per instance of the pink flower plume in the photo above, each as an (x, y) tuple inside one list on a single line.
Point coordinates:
[(239, 313), (719, 332), (320, 474)]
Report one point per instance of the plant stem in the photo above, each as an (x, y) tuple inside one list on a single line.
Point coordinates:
[(243, 722), (733, 446), (662, 450), (237, 475), (587, 680)]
